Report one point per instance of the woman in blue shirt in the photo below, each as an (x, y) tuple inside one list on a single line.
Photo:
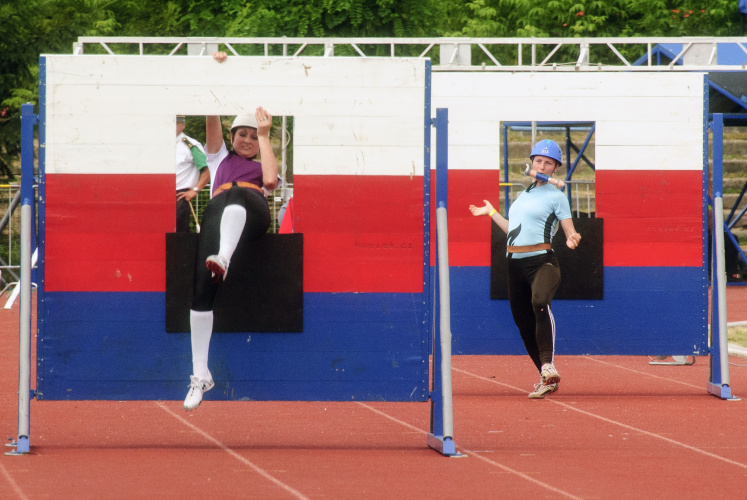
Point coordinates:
[(533, 273)]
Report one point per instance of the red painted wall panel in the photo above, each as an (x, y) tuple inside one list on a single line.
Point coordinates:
[(107, 232), (651, 218), (469, 236), (361, 233)]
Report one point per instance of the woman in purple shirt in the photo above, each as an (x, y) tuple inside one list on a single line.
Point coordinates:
[(238, 209)]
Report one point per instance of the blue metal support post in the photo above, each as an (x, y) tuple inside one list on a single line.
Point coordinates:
[(28, 120), (441, 436), (718, 381)]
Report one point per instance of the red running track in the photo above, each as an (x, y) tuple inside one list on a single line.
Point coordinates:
[(617, 428)]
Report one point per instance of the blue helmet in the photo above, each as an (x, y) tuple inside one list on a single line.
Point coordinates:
[(549, 148)]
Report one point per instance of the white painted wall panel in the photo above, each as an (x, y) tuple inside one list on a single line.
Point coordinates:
[(340, 72), (115, 158), (362, 160), (632, 157), (644, 121), (637, 110), (115, 114), (468, 157), (678, 133), (154, 129), (368, 112), (363, 131), (474, 144), (568, 84), (233, 100)]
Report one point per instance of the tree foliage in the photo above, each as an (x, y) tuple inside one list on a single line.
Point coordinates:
[(34, 27)]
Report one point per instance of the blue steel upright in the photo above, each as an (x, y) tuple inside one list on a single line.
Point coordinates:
[(28, 120), (718, 381), (437, 438)]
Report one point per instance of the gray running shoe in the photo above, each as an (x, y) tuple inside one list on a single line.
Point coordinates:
[(541, 390)]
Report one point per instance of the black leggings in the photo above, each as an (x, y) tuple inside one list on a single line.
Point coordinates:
[(257, 222), (532, 283)]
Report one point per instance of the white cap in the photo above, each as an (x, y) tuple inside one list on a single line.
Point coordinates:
[(244, 121)]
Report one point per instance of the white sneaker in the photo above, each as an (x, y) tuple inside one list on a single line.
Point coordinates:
[(549, 374), (541, 390), (196, 389), (218, 266)]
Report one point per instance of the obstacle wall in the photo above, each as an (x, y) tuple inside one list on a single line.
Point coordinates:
[(649, 192), (107, 189)]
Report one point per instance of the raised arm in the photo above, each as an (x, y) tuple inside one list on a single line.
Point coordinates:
[(213, 127), (492, 213), (213, 134), (267, 155)]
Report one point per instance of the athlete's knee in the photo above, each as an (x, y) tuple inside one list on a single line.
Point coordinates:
[(540, 304)]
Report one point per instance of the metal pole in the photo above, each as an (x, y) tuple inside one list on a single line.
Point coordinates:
[(442, 427), (719, 358), (442, 234), (28, 120), (720, 282)]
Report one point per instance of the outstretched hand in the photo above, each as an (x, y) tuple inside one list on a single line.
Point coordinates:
[(476, 211)]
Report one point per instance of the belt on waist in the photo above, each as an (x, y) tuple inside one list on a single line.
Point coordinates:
[(529, 248), (229, 185)]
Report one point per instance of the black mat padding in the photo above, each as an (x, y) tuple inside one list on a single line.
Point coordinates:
[(582, 269), (263, 291)]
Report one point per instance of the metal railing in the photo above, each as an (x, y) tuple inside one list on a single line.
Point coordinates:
[(491, 54), (10, 194)]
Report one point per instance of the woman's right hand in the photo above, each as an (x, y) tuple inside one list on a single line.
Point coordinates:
[(264, 121), (477, 211), (220, 56)]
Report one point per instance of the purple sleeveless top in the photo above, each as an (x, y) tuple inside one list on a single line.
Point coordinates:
[(236, 168)]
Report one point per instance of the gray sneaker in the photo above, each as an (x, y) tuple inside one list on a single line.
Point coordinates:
[(218, 266), (549, 374), (196, 389), (541, 390)]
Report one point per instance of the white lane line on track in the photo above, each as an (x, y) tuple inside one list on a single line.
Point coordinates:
[(476, 455), (614, 422), (641, 373), (13, 484), (238, 457)]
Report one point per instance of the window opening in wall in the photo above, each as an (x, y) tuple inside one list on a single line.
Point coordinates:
[(576, 139), (281, 137)]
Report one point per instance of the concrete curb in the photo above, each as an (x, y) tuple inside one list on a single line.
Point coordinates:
[(735, 350)]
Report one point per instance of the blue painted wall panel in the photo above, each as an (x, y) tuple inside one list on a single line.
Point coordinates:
[(645, 311), (114, 346), (355, 346)]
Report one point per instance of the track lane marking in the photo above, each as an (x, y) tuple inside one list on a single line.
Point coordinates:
[(238, 457), (614, 422), (476, 454), (12, 482)]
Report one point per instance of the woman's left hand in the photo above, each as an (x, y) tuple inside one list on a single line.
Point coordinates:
[(573, 240), (264, 121)]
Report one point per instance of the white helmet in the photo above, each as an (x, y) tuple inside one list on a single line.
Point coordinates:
[(244, 121)]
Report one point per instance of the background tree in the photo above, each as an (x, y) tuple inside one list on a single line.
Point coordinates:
[(34, 27)]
